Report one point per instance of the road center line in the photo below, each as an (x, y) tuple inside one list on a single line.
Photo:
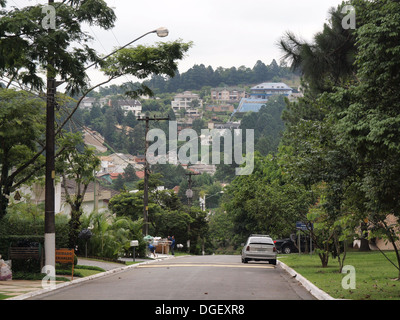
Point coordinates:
[(205, 265)]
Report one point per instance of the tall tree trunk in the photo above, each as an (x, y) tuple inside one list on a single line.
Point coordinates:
[(3, 203), (4, 184), (76, 212), (74, 227), (392, 238), (324, 258), (364, 242)]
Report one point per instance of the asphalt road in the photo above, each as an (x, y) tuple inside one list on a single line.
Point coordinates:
[(189, 278)]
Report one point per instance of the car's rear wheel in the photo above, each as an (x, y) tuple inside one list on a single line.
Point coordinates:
[(287, 250), (245, 260)]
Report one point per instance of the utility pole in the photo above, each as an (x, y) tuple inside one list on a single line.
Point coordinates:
[(147, 119), (189, 195), (189, 192), (49, 227)]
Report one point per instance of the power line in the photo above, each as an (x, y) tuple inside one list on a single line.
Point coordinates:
[(75, 121)]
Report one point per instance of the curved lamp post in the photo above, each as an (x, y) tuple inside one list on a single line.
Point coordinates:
[(161, 32), (49, 232)]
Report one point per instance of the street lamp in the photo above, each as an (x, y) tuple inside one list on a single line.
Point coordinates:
[(203, 200), (162, 32), (49, 232)]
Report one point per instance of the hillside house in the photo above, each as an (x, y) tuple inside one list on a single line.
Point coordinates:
[(96, 196), (220, 108), (228, 94), (267, 89), (130, 105), (187, 101), (259, 96), (117, 162)]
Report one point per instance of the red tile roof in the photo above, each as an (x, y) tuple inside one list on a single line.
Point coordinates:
[(140, 174)]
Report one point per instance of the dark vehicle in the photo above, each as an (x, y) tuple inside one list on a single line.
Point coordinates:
[(289, 245)]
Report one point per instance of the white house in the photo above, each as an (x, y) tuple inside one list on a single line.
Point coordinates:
[(117, 162), (87, 102), (131, 105), (96, 197), (267, 89), (188, 101)]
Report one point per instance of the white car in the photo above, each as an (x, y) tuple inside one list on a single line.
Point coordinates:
[(259, 247)]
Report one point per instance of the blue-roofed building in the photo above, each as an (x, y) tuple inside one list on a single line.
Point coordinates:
[(259, 96), (249, 104)]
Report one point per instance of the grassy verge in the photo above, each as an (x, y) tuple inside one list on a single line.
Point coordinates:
[(79, 271), (62, 275), (374, 275)]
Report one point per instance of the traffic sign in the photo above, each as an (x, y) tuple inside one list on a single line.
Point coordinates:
[(301, 226), (189, 193)]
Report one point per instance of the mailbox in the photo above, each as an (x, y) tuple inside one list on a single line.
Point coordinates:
[(134, 243)]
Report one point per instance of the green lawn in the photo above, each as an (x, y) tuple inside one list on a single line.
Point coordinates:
[(374, 275)]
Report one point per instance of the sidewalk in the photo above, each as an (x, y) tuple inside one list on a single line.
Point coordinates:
[(23, 289)]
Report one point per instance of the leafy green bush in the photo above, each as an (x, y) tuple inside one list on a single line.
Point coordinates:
[(24, 225), (111, 235)]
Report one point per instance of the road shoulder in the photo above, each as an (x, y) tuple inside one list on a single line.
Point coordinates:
[(314, 290)]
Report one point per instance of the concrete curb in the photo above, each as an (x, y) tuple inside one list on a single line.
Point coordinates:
[(80, 280), (314, 290)]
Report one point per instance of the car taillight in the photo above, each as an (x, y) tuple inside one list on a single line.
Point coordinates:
[(274, 241), (248, 248), (274, 249)]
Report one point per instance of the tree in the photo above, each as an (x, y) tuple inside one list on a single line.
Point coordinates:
[(78, 166), (166, 199), (261, 72), (198, 229), (25, 46), (315, 151), (112, 235), (329, 60), (349, 143), (371, 123), (21, 127), (168, 223), (128, 204), (267, 124), (172, 175), (130, 173), (25, 42), (221, 232), (119, 183), (267, 201), (130, 120)]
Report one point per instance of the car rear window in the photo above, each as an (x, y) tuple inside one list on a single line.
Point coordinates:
[(261, 240)]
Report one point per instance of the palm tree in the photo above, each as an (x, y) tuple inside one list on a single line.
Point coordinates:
[(112, 235)]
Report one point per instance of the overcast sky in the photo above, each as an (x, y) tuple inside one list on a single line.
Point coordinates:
[(224, 33)]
